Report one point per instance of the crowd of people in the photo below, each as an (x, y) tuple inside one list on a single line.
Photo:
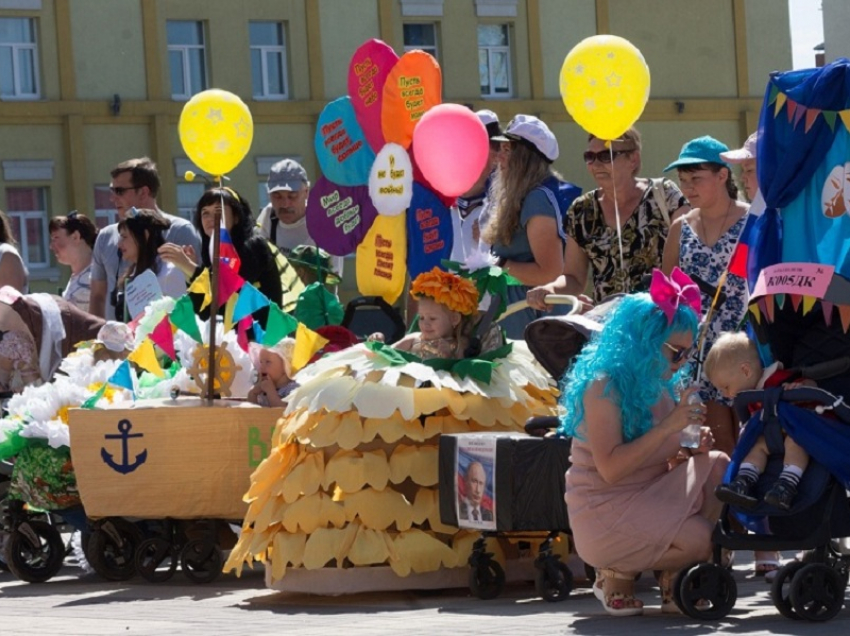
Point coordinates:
[(629, 235)]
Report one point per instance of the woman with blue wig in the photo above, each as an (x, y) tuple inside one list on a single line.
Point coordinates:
[(631, 508)]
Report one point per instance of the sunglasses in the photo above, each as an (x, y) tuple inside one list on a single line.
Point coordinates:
[(603, 156), (119, 191), (679, 353)]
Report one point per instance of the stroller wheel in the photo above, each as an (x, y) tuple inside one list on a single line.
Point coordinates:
[(780, 589), (486, 579), (156, 560), (201, 561), (817, 592), (34, 551), (553, 581), (707, 592), (111, 549)]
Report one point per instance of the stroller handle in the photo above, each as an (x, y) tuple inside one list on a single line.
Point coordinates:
[(550, 299)]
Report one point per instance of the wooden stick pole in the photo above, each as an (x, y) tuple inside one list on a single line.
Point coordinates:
[(214, 265)]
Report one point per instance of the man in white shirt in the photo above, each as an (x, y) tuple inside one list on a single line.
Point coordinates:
[(283, 221)]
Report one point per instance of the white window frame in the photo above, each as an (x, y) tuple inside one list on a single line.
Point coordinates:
[(23, 216), (183, 50), (16, 48), (498, 49), (428, 49), (266, 50), (110, 213)]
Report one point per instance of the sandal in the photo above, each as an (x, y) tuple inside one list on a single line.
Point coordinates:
[(766, 562), (665, 582), (622, 601), (598, 586)]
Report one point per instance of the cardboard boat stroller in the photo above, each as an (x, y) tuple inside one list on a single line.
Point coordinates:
[(146, 473)]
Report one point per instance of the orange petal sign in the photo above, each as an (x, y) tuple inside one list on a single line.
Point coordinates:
[(412, 87), (381, 258)]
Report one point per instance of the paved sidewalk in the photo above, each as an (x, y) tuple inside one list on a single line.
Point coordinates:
[(74, 605)]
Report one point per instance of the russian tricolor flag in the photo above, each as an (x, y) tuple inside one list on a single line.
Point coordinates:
[(226, 252), (747, 257)]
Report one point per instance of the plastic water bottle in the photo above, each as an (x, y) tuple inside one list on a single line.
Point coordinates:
[(689, 436)]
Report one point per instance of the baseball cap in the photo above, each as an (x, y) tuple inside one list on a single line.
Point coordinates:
[(532, 131), (490, 121), (747, 151), (700, 150), (287, 174)]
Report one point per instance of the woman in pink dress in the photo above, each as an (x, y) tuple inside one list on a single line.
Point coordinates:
[(631, 509)]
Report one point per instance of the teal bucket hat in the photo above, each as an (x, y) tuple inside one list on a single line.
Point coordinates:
[(700, 150)]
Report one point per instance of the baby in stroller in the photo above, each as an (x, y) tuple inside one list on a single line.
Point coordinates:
[(732, 366)]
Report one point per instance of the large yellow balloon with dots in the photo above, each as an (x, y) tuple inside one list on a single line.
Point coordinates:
[(216, 130), (605, 85)]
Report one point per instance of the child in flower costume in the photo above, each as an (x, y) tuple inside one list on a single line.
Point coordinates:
[(351, 481), (448, 305)]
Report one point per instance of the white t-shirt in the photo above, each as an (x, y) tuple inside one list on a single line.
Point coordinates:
[(466, 235), (78, 290)]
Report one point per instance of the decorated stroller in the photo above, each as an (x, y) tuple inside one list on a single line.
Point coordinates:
[(799, 315)]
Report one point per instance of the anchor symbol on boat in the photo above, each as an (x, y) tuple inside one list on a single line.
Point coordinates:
[(124, 435)]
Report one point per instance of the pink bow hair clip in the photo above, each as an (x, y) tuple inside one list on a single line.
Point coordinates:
[(669, 293)]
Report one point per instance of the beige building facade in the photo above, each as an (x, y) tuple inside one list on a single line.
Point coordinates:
[(85, 84)]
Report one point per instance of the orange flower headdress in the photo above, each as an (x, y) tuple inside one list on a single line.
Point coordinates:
[(452, 291)]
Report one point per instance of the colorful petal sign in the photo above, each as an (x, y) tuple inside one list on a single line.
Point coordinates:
[(341, 148), (381, 259), (367, 72), (429, 231), (413, 86), (391, 180), (338, 216)]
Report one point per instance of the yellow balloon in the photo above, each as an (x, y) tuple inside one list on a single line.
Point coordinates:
[(605, 85), (216, 130)]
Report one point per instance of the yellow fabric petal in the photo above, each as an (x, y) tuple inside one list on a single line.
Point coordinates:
[(350, 430), (420, 463), (295, 424), (346, 541), (321, 547), (326, 431), (288, 549), (272, 468), (433, 426), (378, 510), (369, 548), (379, 400), (352, 470), (423, 505), (480, 409), (306, 514), (305, 478), (429, 400), (332, 511), (421, 552), (390, 429)]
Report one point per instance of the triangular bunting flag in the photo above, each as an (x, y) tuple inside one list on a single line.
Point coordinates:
[(258, 332), (844, 312), (163, 337), (242, 328), (827, 312), (756, 312), (201, 285), (307, 343), (829, 117), (123, 377), (811, 116), (791, 110), (278, 326), (768, 308), (780, 300), (229, 306), (89, 404), (183, 317), (229, 283), (774, 91), (845, 118), (780, 100), (250, 300), (796, 299), (808, 303), (145, 357), (799, 114)]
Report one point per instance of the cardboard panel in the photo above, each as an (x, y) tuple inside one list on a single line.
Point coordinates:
[(169, 458)]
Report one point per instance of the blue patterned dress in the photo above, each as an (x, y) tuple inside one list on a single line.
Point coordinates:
[(697, 259)]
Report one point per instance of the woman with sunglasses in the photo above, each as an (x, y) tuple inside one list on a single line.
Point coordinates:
[(72, 241), (631, 509), (701, 242), (645, 209)]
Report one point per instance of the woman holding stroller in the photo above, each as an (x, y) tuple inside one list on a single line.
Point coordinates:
[(621, 412)]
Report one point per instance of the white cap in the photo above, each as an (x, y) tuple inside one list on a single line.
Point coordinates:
[(747, 151), (532, 130)]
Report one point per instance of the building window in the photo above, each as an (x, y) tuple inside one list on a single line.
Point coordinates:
[(104, 212), (28, 216), (494, 60), (18, 59), (186, 58), (422, 36), (188, 195), (268, 60)]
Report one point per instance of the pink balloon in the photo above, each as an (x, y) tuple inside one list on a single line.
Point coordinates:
[(451, 148), (367, 72)]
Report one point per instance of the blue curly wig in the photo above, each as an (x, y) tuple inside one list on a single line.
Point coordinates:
[(628, 351)]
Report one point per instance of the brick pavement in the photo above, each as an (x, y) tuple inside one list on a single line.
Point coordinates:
[(74, 605)]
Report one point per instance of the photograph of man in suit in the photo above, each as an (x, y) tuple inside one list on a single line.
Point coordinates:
[(471, 506)]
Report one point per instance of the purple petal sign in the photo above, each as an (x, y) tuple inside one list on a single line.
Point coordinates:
[(338, 217)]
